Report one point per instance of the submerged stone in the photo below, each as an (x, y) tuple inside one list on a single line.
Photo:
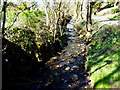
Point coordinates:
[(74, 77)]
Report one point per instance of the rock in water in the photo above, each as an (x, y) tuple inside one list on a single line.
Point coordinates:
[(74, 77), (79, 45), (67, 68)]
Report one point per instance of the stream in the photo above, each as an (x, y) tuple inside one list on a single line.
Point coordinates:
[(67, 70)]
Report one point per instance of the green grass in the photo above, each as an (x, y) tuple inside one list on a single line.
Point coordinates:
[(115, 10), (116, 17), (103, 58)]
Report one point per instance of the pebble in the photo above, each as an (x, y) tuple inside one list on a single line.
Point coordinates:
[(68, 62), (70, 65), (90, 83), (54, 57), (85, 75), (51, 76), (67, 68), (74, 77), (65, 81), (82, 50), (58, 66), (6, 60), (81, 62), (74, 67), (79, 45), (56, 74), (69, 85)]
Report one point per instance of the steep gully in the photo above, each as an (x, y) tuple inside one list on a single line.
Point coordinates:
[(64, 71)]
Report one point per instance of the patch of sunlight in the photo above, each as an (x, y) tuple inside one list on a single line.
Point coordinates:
[(102, 85), (96, 76), (59, 53), (107, 58), (106, 70), (115, 75), (55, 57), (48, 83), (115, 56), (81, 36), (100, 57), (88, 57), (92, 82), (76, 52), (37, 56), (88, 34)]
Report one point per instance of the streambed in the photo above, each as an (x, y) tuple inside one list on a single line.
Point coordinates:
[(67, 70)]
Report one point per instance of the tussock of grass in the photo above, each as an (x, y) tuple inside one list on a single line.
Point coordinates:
[(103, 58)]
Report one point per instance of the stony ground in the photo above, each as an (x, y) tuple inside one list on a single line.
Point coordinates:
[(69, 67)]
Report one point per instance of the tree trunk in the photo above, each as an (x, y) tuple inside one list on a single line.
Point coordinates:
[(4, 18), (81, 7), (115, 2), (47, 16), (87, 17), (58, 18), (76, 9), (90, 15), (61, 33)]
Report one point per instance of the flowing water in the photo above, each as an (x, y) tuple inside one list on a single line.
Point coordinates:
[(67, 70)]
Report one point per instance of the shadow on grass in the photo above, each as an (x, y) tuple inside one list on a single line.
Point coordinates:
[(107, 20), (94, 63), (106, 45), (97, 69), (107, 78), (107, 62)]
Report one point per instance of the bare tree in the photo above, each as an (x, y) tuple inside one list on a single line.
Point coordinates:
[(46, 12), (81, 8), (4, 16), (77, 7), (87, 15), (90, 12), (57, 18)]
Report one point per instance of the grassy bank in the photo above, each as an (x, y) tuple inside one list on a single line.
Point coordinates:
[(116, 17), (103, 58)]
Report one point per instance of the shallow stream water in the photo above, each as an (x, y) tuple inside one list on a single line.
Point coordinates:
[(67, 70)]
